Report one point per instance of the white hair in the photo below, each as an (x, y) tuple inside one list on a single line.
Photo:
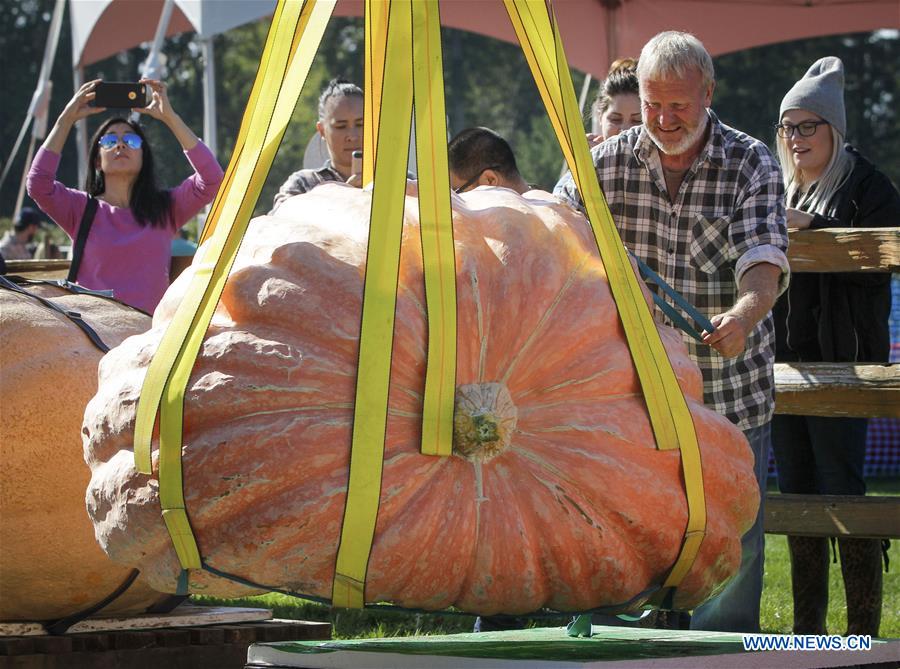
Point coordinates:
[(671, 55), (803, 195)]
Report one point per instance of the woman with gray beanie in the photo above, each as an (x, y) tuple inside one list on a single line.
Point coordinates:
[(829, 318)]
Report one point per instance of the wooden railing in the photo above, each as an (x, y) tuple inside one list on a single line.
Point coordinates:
[(838, 389), (38, 269), (59, 269)]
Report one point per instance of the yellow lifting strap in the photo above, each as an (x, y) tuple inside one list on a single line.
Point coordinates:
[(379, 301), (410, 33), (436, 222), (537, 30), (293, 40), (376, 18)]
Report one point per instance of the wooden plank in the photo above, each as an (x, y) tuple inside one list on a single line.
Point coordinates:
[(833, 516), (239, 634), (38, 269), (176, 648), (17, 646), (134, 639), (207, 636), (27, 266), (173, 637), (837, 389), (52, 644), (97, 642), (224, 656), (183, 616), (845, 250)]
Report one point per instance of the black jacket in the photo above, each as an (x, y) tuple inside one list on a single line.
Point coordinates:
[(842, 317)]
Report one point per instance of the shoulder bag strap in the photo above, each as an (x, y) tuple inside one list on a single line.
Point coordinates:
[(87, 220)]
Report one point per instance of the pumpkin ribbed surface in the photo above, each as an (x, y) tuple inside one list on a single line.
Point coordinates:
[(555, 494), (50, 563)]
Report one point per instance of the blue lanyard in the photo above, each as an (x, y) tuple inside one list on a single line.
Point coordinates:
[(676, 318)]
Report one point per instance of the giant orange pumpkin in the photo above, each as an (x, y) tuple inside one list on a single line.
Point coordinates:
[(50, 564), (563, 500)]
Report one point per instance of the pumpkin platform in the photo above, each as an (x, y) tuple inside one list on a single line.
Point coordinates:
[(190, 637), (543, 648)]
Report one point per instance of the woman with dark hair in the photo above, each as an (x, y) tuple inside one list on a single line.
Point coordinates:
[(617, 106), (128, 247), (340, 126)]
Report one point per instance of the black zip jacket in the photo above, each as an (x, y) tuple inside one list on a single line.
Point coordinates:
[(842, 317)]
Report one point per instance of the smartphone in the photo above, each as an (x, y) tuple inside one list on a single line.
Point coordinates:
[(119, 95), (356, 162)]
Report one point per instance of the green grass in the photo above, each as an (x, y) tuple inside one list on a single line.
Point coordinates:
[(352, 624), (776, 612), (776, 609)]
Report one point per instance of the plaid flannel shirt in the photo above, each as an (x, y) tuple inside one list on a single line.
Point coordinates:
[(727, 216)]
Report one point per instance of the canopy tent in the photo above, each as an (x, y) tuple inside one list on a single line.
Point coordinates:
[(102, 28), (595, 31)]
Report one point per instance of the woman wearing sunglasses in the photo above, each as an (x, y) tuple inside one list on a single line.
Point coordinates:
[(829, 318), (128, 247)]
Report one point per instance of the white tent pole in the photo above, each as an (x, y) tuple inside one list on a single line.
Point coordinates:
[(20, 197), (37, 108), (582, 100), (40, 129), (209, 105), (151, 69), (80, 130), (209, 93)]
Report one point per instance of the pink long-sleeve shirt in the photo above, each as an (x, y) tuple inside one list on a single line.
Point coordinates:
[(120, 254)]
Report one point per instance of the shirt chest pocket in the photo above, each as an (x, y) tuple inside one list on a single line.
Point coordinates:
[(710, 245)]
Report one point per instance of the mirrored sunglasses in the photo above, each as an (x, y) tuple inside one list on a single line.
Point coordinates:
[(129, 139)]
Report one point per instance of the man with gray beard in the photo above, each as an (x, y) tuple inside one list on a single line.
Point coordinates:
[(702, 205)]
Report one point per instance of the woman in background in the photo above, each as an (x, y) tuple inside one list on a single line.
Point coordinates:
[(829, 318), (128, 246), (341, 127), (618, 105)]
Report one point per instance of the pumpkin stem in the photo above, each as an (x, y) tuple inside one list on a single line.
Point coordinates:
[(483, 421)]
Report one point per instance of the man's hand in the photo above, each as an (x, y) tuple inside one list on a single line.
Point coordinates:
[(756, 296), (730, 336)]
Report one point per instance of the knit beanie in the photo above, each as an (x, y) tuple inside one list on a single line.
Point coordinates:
[(821, 91)]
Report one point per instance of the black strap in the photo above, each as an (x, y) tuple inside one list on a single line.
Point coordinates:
[(87, 220), (56, 627), (73, 316)]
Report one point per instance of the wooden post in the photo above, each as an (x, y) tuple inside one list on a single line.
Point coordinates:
[(837, 389), (845, 250)]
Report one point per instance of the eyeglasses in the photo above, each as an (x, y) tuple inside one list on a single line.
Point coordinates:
[(475, 178), (129, 139), (806, 129)]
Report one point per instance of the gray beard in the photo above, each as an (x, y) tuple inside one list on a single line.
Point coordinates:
[(685, 144)]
